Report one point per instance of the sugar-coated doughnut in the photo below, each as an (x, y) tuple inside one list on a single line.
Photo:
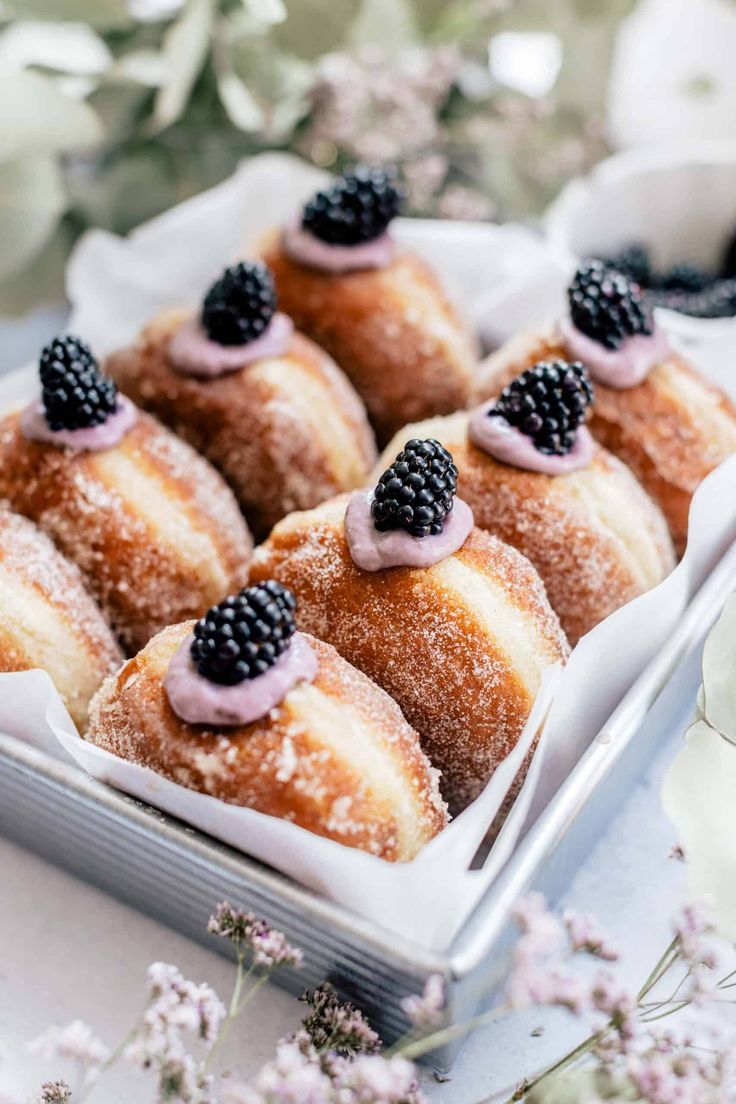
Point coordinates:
[(48, 619), (154, 529), (392, 330), (335, 757), (594, 535), (672, 429), (286, 431), (461, 646)]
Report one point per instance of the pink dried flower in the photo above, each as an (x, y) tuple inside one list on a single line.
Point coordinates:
[(269, 947), (55, 1092), (692, 925), (541, 930), (535, 983), (616, 1003), (373, 1079), (294, 1076), (336, 1026), (74, 1043), (585, 934), (426, 1010)]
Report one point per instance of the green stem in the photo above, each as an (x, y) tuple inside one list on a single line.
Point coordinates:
[(667, 960), (232, 1013), (421, 1046)]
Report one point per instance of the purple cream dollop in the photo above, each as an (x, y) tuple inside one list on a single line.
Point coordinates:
[(309, 251), (620, 368), (193, 353), (196, 700), (97, 438), (504, 442), (372, 550)]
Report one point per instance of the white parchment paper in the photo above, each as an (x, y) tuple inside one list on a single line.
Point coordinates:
[(503, 278)]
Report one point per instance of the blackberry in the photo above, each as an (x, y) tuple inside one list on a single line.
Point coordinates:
[(634, 261), (547, 403), (244, 635), (239, 306), (418, 491), (718, 300), (685, 277), (607, 306), (74, 392), (357, 208)]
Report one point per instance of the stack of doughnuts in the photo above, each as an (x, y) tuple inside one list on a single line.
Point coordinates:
[(366, 669)]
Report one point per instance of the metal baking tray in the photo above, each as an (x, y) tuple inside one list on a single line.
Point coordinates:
[(176, 874)]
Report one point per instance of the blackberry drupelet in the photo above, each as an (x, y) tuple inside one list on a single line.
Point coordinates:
[(418, 491), (74, 392), (356, 209), (244, 635), (607, 306), (239, 306), (547, 403)]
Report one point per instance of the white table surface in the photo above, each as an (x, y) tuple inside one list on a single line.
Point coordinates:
[(68, 951)]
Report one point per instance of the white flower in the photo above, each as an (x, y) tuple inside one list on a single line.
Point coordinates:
[(75, 1043), (153, 11)]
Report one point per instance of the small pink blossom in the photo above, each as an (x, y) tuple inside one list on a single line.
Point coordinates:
[(610, 997), (269, 947), (52, 1092), (426, 1010), (586, 934), (74, 1043), (541, 930), (535, 983)]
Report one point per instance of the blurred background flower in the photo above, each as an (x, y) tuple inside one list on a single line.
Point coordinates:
[(113, 110)]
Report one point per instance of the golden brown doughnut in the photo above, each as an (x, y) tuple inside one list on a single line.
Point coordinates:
[(336, 757), (48, 619), (461, 646), (155, 531), (391, 330), (594, 535), (286, 432), (672, 430)]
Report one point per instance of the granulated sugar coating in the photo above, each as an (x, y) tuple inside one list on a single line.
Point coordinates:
[(286, 431), (460, 646), (48, 618), (392, 330), (672, 430), (594, 535), (335, 757), (153, 528)]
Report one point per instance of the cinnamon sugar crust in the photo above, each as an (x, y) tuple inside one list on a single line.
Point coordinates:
[(594, 535), (672, 430), (392, 331), (49, 621), (461, 646), (286, 432), (336, 757), (154, 529)]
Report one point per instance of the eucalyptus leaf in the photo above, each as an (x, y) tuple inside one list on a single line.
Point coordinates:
[(32, 199), (267, 12), (147, 67), (240, 105), (65, 47), (698, 797), (37, 118), (719, 664), (104, 14), (185, 48)]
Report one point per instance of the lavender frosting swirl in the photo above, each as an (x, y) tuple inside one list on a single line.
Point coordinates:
[(309, 251), (192, 353), (196, 700), (620, 368), (506, 443), (372, 550), (97, 438)]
